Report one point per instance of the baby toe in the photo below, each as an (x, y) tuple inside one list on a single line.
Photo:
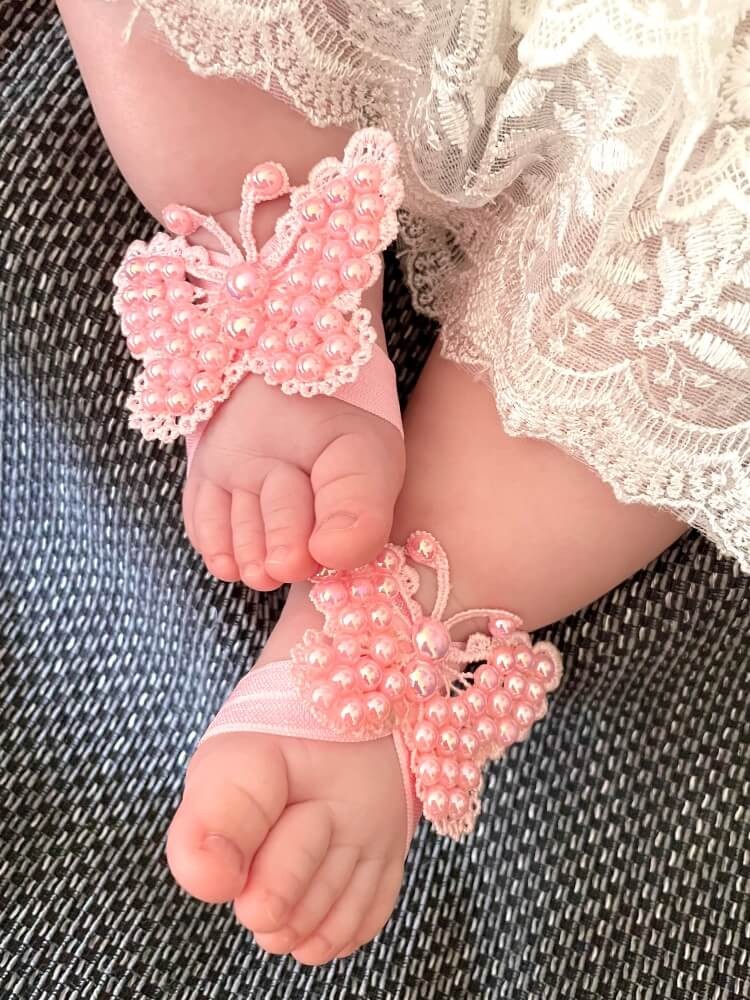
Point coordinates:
[(356, 481), (286, 502), (335, 931), (248, 541), (211, 527), (235, 790), (325, 888), (284, 866)]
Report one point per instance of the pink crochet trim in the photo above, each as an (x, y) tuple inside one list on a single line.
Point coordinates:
[(291, 312), (380, 666)]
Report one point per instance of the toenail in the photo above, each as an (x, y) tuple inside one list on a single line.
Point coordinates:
[(252, 569), (338, 521), (278, 554), (221, 565), (230, 854)]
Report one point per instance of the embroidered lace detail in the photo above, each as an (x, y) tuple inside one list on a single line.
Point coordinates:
[(577, 207)]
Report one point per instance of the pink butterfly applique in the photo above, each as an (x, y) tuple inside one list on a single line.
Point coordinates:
[(200, 321), (379, 663)]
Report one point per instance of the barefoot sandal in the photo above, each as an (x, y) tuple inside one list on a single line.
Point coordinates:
[(379, 666), (291, 312)]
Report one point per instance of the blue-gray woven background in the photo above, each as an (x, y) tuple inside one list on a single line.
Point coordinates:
[(612, 857)]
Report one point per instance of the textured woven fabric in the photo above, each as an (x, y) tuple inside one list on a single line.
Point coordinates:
[(612, 858)]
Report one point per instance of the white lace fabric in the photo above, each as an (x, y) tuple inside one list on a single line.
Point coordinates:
[(577, 210)]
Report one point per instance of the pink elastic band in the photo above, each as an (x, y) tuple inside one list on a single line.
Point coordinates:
[(266, 701)]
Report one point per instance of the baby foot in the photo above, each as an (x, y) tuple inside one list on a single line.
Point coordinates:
[(281, 483), (306, 837)]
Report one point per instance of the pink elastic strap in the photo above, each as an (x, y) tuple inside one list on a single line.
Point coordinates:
[(266, 701), (374, 391)]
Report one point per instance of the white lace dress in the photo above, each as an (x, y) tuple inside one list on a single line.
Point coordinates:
[(577, 212)]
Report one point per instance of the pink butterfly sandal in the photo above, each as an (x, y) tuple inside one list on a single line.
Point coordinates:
[(292, 314)]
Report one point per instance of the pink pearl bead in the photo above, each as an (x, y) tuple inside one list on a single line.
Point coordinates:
[(352, 620), (458, 804), (515, 685), (524, 715), (304, 308), (547, 670), (135, 268), (535, 691), (310, 368), (153, 265), (183, 316), (361, 588), (310, 246), (339, 348), (213, 355), (475, 701), (329, 321), (420, 546), (206, 386), (157, 369), (271, 342), (422, 681), (160, 335), (340, 222), (364, 238), (301, 340), (134, 319), (366, 177), (325, 283), (348, 649), (153, 400), (179, 401), (499, 704), (177, 346), (314, 211), (449, 771), (507, 732), (387, 586), (425, 737), (356, 274), (338, 192), (381, 616), (154, 292), (368, 207), (173, 269), (469, 743), (485, 729), (487, 678), (436, 803), (352, 713), (330, 595), (159, 312), (130, 295), (267, 180), (278, 308), (336, 253), (501, 657), (319, 658), (469, 776), (428, 771), (524, 657), (431, 639), (298, 280), (283, 367), (394, 684), (179, 221), (323, 696), (244, 329), (202, 331), (437, 711), (459, 711), (344, 679), (247, 281), (137, 343), (501, 625), (182, 371), (448, 740), (370, 675), (377, 707), (180, 293), (383, 649), (388, 560)]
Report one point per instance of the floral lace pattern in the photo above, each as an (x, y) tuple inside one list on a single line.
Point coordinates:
[(577, 207)]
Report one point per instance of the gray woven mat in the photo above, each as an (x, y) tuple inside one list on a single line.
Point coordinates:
[(612, 858)]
